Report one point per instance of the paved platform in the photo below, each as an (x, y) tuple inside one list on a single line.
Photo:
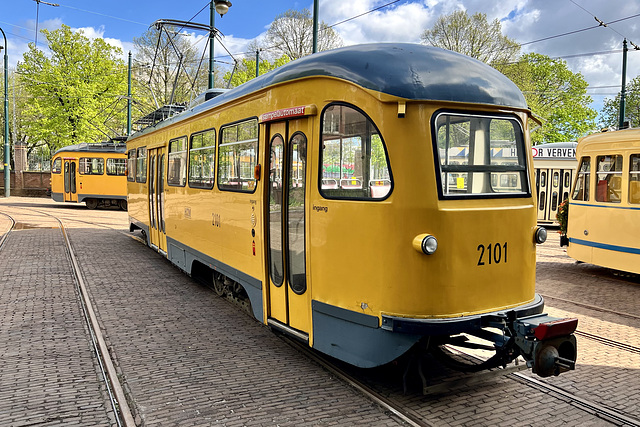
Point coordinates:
[(185, 356)]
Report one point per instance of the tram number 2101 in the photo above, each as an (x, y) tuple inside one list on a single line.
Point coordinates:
[(493, 253)]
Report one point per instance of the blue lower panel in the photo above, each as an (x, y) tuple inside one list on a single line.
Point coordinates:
[(184, 256), (57, 197), (355, 337)]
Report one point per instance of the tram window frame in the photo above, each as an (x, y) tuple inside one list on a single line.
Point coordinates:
[(141, 165), (235, 141), (56, 165), (634, 179), (91, 166), (198, 157), (177, 162), (131, 165), (116, 166), (485, 163), (367, 181), (582, 184), (608, 180)]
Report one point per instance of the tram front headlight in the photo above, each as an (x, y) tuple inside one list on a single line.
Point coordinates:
[(425, 243), (540, 235)]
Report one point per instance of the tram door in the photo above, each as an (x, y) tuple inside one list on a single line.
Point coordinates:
[(70, 168), (553, 187), (289, 300), (157, 230)]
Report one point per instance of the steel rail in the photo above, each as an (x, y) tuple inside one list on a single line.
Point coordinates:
[(115, 391), (406, 415), (593, 307), (121, 406), (6, 234), (595, 408), (609, 342)]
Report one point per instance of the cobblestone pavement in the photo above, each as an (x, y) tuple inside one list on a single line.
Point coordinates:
[(187, 357), (48, 374)]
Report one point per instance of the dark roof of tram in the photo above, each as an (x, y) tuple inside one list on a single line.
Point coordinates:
[(410, 71), (98, 147)]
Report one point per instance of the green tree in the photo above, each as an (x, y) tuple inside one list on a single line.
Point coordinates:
[(291, 34), (610, 114), (246, 70), (473, 36), (556, 95), (73, 91)]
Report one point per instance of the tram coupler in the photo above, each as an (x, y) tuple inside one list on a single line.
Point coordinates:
[(547, 343)]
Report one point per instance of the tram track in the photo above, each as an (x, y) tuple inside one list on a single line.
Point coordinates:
[(593, 307), (115, 390), (602, 411), (406, 415)]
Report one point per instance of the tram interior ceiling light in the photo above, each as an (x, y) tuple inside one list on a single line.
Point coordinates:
[(222, 6)]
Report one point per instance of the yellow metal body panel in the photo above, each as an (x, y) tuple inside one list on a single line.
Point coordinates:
[(605, 233)]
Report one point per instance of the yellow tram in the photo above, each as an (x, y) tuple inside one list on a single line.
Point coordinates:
[(90, 173), (605, 204), (326, 194)]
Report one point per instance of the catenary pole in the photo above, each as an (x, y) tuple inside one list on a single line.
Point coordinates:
[(7, 152), (623, 93)]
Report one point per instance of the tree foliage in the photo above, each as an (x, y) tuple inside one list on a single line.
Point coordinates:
[(291, 34), (246, 70), (610, 115), (556, 95), (473, 36), (72, 92)]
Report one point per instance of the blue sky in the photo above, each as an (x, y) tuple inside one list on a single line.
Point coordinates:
[(594, 52)]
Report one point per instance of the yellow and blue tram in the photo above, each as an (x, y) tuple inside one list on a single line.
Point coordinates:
[(93, 173), (604, 209), (350, 197)]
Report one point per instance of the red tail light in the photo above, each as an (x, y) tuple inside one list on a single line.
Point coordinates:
[(555, 328)]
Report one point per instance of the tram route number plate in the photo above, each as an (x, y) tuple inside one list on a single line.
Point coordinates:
[(493, 253)]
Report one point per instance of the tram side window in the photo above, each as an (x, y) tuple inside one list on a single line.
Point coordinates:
[(91, 166), (609, 178), (131, 165), (354, 158), (56, 165), (116, 167), (202, 156), (141, 165), (473, 149), (634, 178), (238, 156), (581, 187), (177, 169)]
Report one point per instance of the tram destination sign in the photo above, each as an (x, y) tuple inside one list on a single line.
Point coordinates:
[(554, 152)]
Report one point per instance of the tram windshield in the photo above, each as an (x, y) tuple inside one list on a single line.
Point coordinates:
[(480, 156)]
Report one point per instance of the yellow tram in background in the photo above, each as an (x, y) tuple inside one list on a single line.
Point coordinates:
[(327, 196), (90, 173), (604, 209), (555, 166)]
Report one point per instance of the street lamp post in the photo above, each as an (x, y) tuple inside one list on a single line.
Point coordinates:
[(221, 7), (7, 153)]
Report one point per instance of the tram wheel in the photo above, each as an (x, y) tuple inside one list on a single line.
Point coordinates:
[(91, 203), (218, 284)]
